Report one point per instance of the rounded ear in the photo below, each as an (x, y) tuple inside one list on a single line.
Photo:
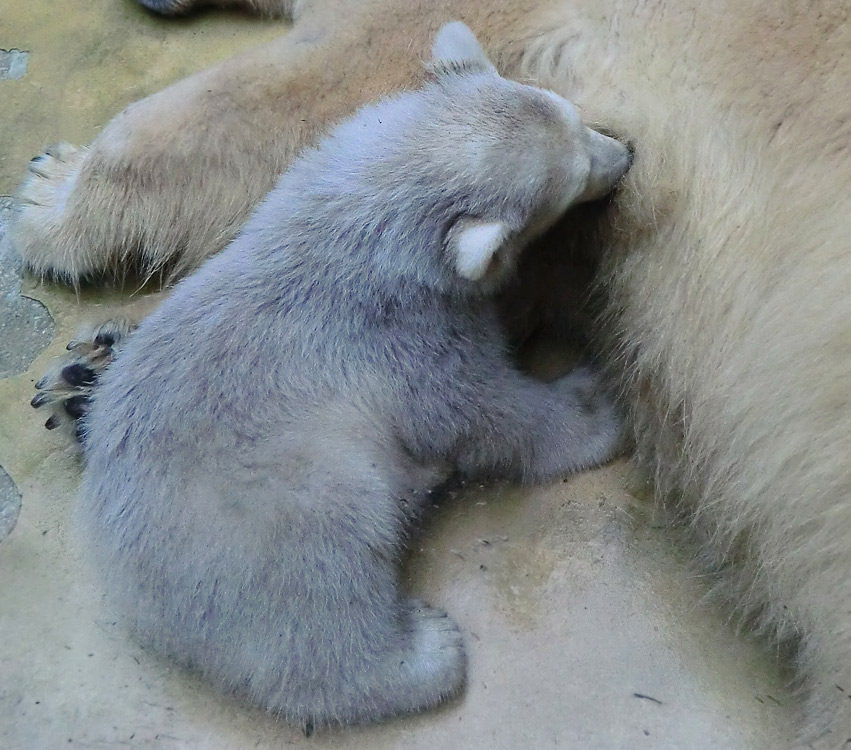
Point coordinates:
[(474, 243), (456, 50)]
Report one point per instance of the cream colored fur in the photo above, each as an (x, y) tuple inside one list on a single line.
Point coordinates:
[(726, 258)]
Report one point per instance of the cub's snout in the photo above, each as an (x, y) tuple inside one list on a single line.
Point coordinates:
[(610, 161)]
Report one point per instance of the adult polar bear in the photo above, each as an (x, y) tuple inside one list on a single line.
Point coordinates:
[(725, 259)]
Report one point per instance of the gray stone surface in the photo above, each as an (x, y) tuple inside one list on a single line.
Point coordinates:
[(26, 327), (10, 504), (13, 64)]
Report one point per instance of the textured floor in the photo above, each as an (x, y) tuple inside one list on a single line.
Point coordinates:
[(586, 625)]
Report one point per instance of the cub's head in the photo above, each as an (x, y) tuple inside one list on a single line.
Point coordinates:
[(519, 156), (444, 186)]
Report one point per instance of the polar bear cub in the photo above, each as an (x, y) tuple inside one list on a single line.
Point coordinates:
[(257, 453)]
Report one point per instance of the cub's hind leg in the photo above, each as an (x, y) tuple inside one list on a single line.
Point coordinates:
[(328, 640), (355, 649), (285, 585)]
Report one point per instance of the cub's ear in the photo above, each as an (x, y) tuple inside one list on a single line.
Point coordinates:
[(456, 50), (474, 243)]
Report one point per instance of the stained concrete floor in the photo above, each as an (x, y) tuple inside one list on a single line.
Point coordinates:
[(587, 627)]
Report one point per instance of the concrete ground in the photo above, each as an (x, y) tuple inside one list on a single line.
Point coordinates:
[(587, 627)]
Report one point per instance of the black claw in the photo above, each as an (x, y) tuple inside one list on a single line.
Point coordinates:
[(307, 727), (36, 159), (40, 399), (76, 407), (78, 375)]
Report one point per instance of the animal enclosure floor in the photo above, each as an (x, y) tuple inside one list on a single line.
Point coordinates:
[(586, 625)]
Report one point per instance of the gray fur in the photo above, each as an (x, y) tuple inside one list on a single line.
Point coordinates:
[(256, 455)]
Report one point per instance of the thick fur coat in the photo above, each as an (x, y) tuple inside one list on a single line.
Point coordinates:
[(725, 258), (256, 455)]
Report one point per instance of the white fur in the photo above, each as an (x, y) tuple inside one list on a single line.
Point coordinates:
[(476, 246)]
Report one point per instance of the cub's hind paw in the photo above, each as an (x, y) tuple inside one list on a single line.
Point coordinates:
[(68, 386), (437, 663)]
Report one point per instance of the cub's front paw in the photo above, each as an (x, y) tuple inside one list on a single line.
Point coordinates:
[(67, 387), (599, 419)]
